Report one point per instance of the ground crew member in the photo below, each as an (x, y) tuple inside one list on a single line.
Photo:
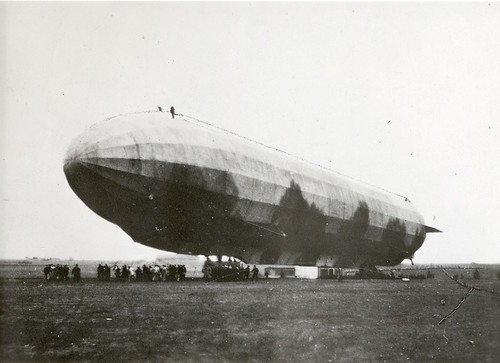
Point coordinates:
[(76, 273), (47, 270), (255, 273)]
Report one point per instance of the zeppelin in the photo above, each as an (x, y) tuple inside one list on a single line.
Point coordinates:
[(180, 186)]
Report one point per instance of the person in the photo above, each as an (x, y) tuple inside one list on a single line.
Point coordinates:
[(138, 274), (182, 272), (124, 275), (172, 111), (106, 272), (255, 273), (65, 272), (207, 270), (76, 273), (47, 270), (340, 276), (100, 272), (117, 271), (57, 272)]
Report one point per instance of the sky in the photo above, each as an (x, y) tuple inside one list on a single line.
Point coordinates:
[(404, 96)]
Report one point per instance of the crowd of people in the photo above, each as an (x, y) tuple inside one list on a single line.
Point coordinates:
[(231, 270), (61, 272), (125, 273), (144, 273)]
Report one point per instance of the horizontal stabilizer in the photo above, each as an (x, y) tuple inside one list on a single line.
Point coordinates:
[(432, 230)]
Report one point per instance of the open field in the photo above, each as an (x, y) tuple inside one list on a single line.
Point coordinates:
[(269, 320)]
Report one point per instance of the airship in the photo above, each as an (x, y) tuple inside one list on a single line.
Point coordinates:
[(178, 185)]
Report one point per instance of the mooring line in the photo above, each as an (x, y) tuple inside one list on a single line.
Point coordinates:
[(130, 113), (287, 153), (463, 284), (259, 143), (458, 306), (282, 234), (469, 291)]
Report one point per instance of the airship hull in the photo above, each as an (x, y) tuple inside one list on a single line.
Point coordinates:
[(176, 186)]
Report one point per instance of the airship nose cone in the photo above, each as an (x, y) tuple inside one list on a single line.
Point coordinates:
[(82, 164), (117, 137), (77, 156), (74, 155), (91, 162), (105, 140), (93, 140), (110, 156), (73, 161), (76, 169)]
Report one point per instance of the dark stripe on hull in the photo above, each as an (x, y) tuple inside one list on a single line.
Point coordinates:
[(182, 214)]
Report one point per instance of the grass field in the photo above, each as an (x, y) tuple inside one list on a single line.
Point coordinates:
[(274, 320)]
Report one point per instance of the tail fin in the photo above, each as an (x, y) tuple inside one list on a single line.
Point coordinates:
[(432, 230)]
